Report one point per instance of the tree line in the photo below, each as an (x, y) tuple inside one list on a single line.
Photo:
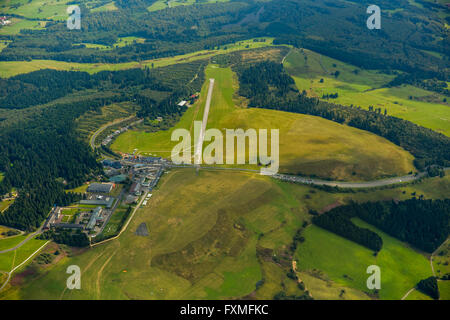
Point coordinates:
[(428, 147), (422, 223)]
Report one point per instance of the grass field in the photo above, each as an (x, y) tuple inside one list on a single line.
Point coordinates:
[(364, 88), (21, 24), (5, 204), (163, 4), (441, 260), (444, 290), (5, 229), (107, 7), (12, 68), (3, 44), (91, 121), (208, 252), (323, 288), (114, 223), (308, 145), (345, 262), (10, 242), (417, 295), (81, 189)]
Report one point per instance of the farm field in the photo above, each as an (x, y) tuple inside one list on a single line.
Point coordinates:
[(12, 68), (309, 145), (364, 88), (345, 262)]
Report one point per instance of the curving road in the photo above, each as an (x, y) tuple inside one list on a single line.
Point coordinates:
[(319, 182), (31, 236), (17, 267), (104, 127)]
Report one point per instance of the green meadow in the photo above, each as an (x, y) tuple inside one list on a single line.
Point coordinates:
[(205, 246), (107, 7), (5, 204), (314, 73), (11, 259), (91, 121), (345, 262), (444, 289), (164, 4), (308, 145), (417, 295)]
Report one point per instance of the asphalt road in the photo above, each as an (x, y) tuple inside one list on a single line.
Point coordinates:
[(199, 147), (96, 133), (31, 236), (126, 225)]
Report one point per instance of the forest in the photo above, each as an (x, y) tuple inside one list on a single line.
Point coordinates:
[(338, 221), (42, 155), (422, 223), (65, 236)]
